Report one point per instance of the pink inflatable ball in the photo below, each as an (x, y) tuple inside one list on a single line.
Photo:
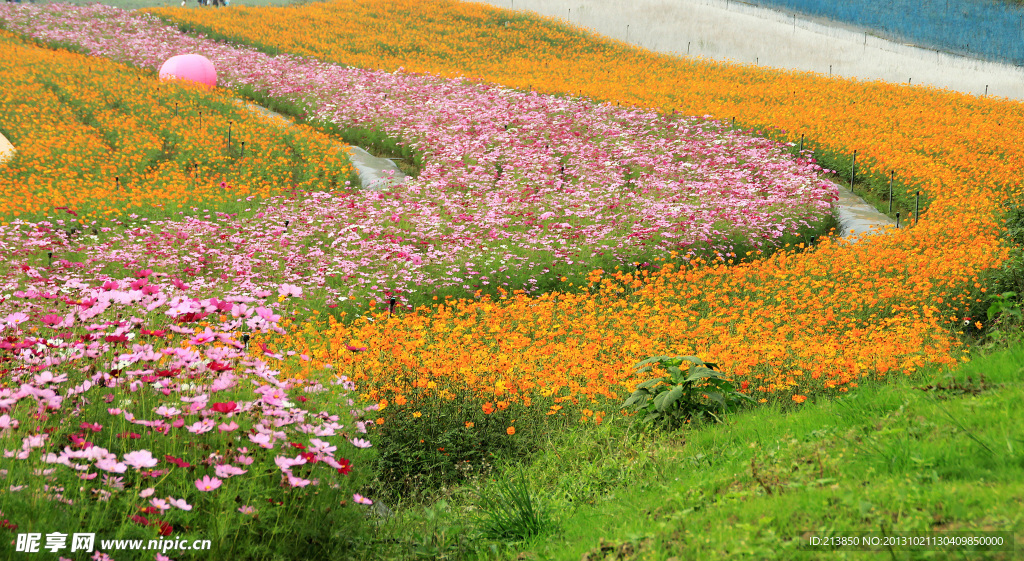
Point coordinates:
[(195, 68)]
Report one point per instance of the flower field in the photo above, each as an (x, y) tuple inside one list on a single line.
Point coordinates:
[(190, 350), (816, 321), (101, 141)]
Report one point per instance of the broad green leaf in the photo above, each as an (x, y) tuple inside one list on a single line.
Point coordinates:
[(639, 396), (649, 383), (669, 398)]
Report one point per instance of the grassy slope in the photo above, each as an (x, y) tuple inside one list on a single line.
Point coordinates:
[(893, 456), (896, 457)]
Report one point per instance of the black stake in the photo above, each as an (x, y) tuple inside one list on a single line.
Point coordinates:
[(286, 224), (49, 256), (391, 306), (801, 144), (897, 220), (229, 135), (243, 147), (917, 208), (117, 183), (175, 108), (245, 340)]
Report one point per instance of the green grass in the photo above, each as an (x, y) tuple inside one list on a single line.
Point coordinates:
[(943, 451)]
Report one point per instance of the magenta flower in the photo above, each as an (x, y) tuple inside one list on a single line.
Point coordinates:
[(227, 427), (224, 407), (207, 483), (361, 499), (360, 443)]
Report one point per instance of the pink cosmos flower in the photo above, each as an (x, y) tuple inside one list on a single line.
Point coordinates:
[(227, 427), (140, 459), (267, 314), (7, 423), (160, 504), (228, 470), (179, 503), (246, 509), (360, 443), (201, 427), (147, 492), (297, 481), (263, 440), (288, 463), (207, 483), (107, 464), (361, 499), (290, 290)]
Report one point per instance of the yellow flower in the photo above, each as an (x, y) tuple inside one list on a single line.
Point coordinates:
[(417, 415)]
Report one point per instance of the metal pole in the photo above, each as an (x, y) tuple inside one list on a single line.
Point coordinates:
[(897, 220)]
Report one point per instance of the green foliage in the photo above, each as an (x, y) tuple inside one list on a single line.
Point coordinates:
[(510, 511), (696, 390), (450, 441)]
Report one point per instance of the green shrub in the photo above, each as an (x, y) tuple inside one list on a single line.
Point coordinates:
[(670, 401)]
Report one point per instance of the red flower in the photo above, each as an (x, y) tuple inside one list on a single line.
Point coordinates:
[(224, 407), (177, 461), (302, 398), (297, 445), (154, 332), (218, 366), (309, 457), (139, 519), (346, 466), (165, 528)]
